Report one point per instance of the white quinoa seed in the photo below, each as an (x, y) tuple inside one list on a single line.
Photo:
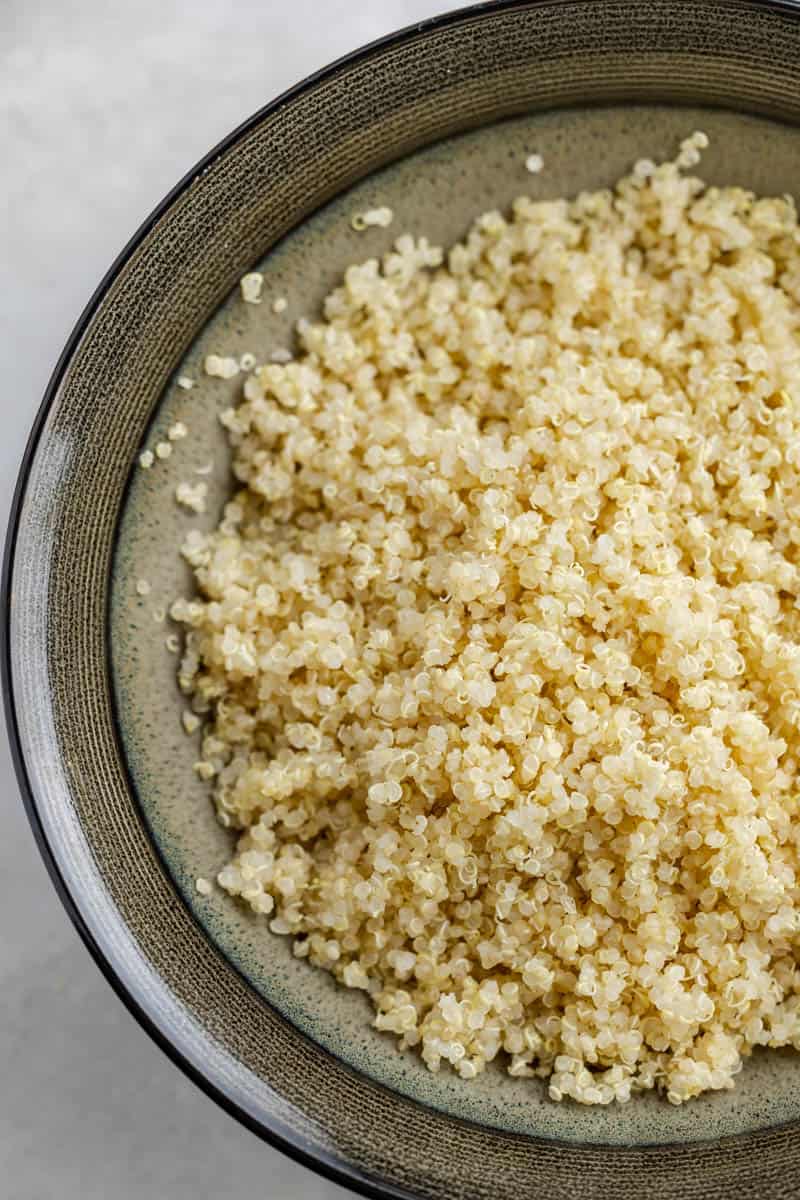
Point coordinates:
[(177, 431), (534, 163), (251, 285), (203, 887), (190, 721), (143, 587), (221, 367), (511, 591), (192, 496), (381, 217), (163, 450), (279, 304), (185, 382), (146, 459)]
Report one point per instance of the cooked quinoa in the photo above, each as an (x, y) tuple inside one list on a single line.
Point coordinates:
[(499, 642), (251, 285), (381, 217), (192, 496)]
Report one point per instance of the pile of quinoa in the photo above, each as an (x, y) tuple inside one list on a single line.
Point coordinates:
[(497, 646)]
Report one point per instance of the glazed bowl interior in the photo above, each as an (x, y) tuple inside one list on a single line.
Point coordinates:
[(437, 124), (434, 192)]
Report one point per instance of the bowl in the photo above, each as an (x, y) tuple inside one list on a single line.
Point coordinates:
[(435, 121)]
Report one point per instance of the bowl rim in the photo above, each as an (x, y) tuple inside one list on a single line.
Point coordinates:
[(336, 1170)]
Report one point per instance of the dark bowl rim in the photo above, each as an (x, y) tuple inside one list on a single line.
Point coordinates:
[(327, 1168)]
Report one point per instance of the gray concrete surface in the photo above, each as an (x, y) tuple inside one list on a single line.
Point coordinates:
[(104, 104)]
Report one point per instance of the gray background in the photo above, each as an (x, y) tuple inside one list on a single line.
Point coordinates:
[(104, 104)]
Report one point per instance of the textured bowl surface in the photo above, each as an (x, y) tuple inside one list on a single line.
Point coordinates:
[(437, 123)]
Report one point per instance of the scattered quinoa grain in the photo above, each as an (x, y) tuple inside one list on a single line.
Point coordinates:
[(534, 163), (251, 285), (280, 304), (146, 459), (203, 886), (142, 587), (177, 431), (185, 382), (163, 450), (247, 361), (192, 496), (381, 217), (221, 367), (281, 355), (499, 639)]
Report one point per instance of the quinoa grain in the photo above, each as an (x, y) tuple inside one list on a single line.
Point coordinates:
[(500, 638), (251, 285), (381, 217), (192, 496)]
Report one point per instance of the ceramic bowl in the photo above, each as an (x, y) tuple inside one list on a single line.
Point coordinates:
[(436, 122)]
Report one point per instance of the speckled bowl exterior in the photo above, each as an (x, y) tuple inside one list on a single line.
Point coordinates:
[(437, 121)]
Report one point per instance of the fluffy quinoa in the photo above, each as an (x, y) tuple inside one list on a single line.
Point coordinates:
[(498, 645)]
